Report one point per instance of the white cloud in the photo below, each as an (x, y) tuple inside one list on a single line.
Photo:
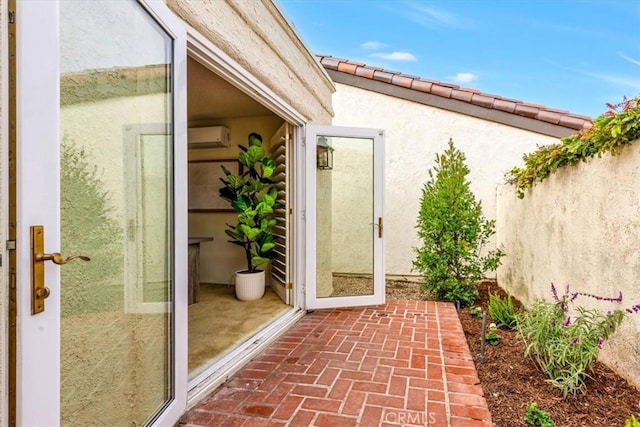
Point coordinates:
[(395, 56), (428, 16), (464, 77), (629, 59), (372, 45)]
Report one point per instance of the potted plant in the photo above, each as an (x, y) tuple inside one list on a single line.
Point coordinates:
[(252, 194)]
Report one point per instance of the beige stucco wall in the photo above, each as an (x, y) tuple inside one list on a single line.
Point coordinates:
[(414, 133), (352, 206), (580, 227), (324, 221), (258, 37)]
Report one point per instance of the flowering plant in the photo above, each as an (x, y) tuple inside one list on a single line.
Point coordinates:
[(617, 127), (565, 346), (492, 337)]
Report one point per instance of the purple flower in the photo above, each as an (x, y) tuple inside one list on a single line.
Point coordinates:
[(554, 292), (619, 299), (573, 297), (600, 341), (567, 322), (563, 305), (575, 341), (633, 309), (566, 290)]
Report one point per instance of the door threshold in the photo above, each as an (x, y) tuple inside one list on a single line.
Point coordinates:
[(206, 382)]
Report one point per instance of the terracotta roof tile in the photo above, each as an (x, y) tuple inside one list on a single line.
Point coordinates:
[(504, 105), (440, 90), (448, 90), (383, 76), (482, 100), (549, 116), (526, 110), (462, 95), (346, 67), (400, 80), (365, 72), (421, 85)]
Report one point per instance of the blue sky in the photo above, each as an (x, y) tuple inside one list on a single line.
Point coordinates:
[(569, 55)]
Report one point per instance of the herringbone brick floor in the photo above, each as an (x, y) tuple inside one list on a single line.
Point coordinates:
[(402, 363)]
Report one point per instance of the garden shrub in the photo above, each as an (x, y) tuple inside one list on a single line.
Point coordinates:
[(565, 347), (452, 231), (537, 417), (502, 311), (619, 126)]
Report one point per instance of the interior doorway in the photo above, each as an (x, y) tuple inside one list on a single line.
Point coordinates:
[(217, 321)]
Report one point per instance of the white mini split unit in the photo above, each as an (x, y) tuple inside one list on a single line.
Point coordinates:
[(208, 137)]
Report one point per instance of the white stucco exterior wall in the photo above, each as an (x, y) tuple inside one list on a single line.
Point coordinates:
[(581, 227), (414, 133), (258, 37)]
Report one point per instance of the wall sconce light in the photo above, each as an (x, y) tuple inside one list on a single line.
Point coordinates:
[(324, 154)]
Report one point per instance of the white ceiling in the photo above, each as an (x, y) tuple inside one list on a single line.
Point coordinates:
[(210, 97)]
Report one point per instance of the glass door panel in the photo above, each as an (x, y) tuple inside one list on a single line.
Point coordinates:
[(345, 193), (116, 362)]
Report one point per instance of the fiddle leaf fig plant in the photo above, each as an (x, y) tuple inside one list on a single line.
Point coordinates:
[(252, 194)]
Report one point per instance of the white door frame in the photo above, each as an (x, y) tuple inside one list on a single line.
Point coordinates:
[(378, 297), (38, 203)]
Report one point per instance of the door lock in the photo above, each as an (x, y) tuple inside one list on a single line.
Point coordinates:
[(39, 292)]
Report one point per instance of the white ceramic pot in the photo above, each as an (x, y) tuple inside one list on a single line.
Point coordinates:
[(250, 286)]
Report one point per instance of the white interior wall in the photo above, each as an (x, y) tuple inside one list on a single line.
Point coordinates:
[(414, 133)]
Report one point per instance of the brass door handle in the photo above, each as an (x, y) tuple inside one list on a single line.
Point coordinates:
[(57, 258), (40, 292)]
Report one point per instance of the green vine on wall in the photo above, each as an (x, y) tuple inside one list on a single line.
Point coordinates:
[(619, 126)]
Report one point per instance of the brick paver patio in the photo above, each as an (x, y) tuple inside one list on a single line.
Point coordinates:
[(402, 363)]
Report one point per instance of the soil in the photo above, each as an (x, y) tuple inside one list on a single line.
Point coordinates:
[(511, 382)]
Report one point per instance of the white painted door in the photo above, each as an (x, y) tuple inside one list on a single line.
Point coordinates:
[(87, 74), (344, 222)]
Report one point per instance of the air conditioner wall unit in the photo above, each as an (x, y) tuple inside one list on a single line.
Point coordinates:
[(209, 137)]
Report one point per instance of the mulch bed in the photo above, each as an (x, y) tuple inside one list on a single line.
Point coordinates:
[(511, 382)]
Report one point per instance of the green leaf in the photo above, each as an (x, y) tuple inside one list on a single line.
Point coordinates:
[(241, 204), (267, 247), (258, 260), (268, 166), (250, 232)]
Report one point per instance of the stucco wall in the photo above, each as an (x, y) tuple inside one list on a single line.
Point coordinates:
[(414, 133), (580, 227), (352, 206), (258, 37)]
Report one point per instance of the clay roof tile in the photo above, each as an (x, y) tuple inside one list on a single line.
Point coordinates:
[(448, 90), (402, 80), (421, 85), (441, 90), (383, 76), (462, 95)]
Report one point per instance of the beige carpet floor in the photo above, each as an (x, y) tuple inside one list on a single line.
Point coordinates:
[(219, 322)]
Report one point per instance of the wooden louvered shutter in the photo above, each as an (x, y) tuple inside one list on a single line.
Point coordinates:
[(280, 266)]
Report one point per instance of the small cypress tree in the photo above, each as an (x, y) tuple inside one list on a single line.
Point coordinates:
[(453, 232)]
